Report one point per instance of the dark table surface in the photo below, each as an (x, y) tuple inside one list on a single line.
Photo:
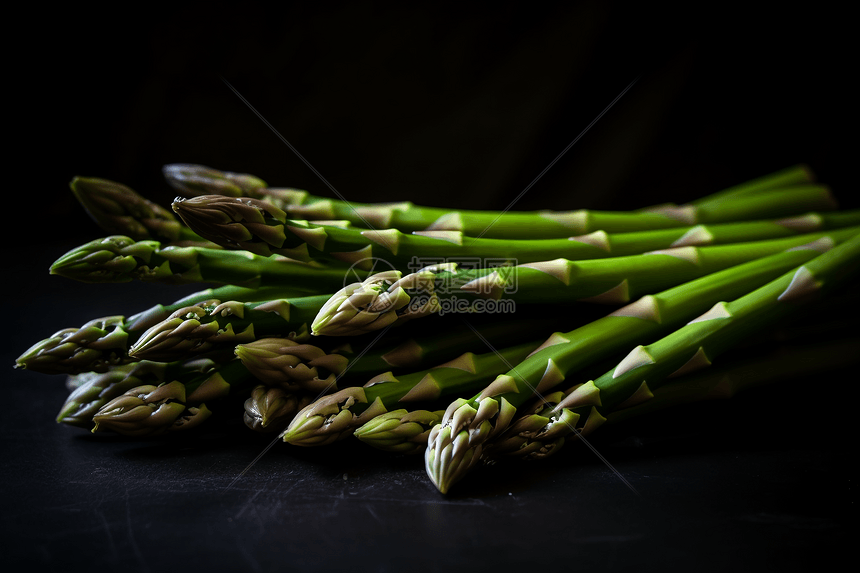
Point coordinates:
[(463, 108)]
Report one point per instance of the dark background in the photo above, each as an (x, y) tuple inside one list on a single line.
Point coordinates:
[(461, 105)]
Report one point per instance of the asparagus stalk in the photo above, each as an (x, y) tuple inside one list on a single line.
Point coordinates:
[(152, 410), (400, 431), (212, 325), (97, 389), (120, 259), (271, 409), (788, 177), (263, 229), (457, 443), (119, 210), (336, 416), (292, 365), (103, 343), (408, 217), (388, 298), (200, 180), (691, 348), (148, 411), (87, 398)]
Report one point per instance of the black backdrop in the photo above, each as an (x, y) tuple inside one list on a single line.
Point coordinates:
[(461, 105)]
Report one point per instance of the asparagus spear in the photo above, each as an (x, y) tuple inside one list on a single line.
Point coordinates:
[(788, 177), (336, 416), (457, 443), (399, 431), (87, 398), (408, 217), (271, 409), (691, 348), (212, 324), (119, 210), (291, 365), (103, 343), (388, 298), (263, 229), (199, 180), (121, 259), (99, 388), (152, 410)]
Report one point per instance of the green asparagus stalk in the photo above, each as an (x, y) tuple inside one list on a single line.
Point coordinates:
[(400, 431), (199, 180), (88, 398), (388, 298), (270, 409), (103, 343), (524, 438), (120, 259), (119, 210), (263, 229), (788, 177), (152, 410), (291, 365), (98, 389), (336, 416), (691, 348), (457, 443), (212, 325), (407, 217)]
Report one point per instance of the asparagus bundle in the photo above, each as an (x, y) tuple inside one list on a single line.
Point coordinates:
[(639, 375), (388, 298), (261, 228), (457, 443), (194, 180), (277, 255)]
